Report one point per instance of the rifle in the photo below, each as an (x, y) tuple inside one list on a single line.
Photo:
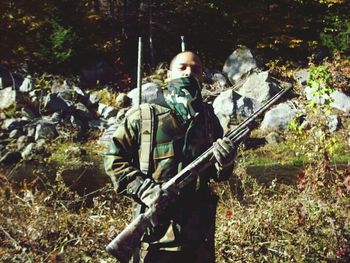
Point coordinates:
[(123, 246)]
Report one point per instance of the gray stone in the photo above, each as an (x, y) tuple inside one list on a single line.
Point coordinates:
[(12, 123), (94, 98), (239, 64), (106, 111), (27, 84), (109, 112), (22, 142), (27, 113), (31, 131), (333, 122), (63, 91), (28, 151), (122, 101), (274, 138), (53, 103), (219, 78), (258, 87), (229, 105), (45, 130), (14, 134), (150, 92), (7, 98), (98, 124), (340, 101), (301, 77), (278, 117), (84, 112)]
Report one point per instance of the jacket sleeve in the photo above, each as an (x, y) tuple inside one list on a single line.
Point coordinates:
[(121, 160)]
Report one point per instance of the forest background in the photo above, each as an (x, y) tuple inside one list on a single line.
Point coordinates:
[(306, 220), (62, 36)]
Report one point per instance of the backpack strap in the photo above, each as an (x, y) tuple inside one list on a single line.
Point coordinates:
[(146, 145)]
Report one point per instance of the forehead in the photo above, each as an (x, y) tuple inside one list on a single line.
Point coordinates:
[(187, 58)]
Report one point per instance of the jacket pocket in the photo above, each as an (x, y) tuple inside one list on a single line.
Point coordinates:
[(164, 161)]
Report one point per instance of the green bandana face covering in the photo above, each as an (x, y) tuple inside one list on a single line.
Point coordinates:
[(181, 95)]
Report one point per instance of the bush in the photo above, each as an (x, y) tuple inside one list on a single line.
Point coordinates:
[(336, 34)]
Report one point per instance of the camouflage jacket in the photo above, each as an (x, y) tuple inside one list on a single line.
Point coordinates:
[(176, 144)]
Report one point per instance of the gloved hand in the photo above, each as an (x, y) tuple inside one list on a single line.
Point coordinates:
[(148, 192), (224, 152)]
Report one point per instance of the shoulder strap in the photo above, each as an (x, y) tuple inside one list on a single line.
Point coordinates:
[(147, 127)]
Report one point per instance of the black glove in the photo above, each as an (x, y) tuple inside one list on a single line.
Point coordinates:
[(148, 192), (224, 152)]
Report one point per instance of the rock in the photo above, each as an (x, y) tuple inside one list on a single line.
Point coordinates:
[(278, 117), (11, 157), (219, 78), (229, 105), (53, 103), (22, 142), (106, 111), (94, 98), (27, 113), (301, 77), (333, 122), (28, 151), (83, 112), (274, 138), (27, 84), (77, 124), (14, 134), (340, 101), (259, 87), (122, 101), (7, 98), (12, 123), (45, 130), (98, 124), (239, 64), (150, 92), (63, 91)]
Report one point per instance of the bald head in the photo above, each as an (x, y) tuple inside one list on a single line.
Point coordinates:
[(186, 64)]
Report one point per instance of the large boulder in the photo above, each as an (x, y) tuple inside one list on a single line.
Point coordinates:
[(7, 98), (239, 64), (340, 101), (150, 92), (230, 105), (259, 86), (278, 118), (54, 103), (45, 130)]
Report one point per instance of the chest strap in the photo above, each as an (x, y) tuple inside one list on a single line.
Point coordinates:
[(147, 127)]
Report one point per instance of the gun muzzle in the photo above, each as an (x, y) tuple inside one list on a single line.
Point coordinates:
[(124, 245)]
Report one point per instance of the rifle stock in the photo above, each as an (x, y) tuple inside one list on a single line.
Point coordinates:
[(123, 246)]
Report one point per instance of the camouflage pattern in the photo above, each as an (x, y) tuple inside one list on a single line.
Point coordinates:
[(187, 223)]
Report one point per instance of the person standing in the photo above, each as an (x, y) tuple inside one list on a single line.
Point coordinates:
[(182, 127)]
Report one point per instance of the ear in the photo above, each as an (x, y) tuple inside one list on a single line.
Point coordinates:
[(168, 75)]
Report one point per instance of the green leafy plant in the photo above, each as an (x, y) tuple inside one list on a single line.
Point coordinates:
[(336, 34), (60, 46)]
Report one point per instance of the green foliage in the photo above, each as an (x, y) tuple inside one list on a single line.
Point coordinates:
[(61, 45), (336, 34)]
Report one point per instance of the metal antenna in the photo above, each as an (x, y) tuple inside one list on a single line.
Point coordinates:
[(183, 46), (139, 65)]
